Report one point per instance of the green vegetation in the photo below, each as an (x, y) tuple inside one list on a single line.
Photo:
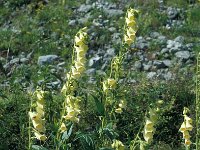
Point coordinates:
[(112, 112)]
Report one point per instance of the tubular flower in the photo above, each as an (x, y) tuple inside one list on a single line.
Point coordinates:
[(122, 105), (118, 145), (63, 128), (186, 126), (149, 126), (40, 137), (131, 26), (109, 84), (37, 117)]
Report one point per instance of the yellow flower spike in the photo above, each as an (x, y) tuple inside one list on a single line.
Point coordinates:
[(188, 142), (34, 115), (118, 110), (63, 127), (188, 126), (40, 137), (183, 127)]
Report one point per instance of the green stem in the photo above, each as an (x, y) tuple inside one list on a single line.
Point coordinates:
[(197, 103)]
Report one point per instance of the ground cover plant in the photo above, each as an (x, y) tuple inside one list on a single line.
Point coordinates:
[(109, 113)]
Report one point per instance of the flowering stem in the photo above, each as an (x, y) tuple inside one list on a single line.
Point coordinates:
[(197, 102)]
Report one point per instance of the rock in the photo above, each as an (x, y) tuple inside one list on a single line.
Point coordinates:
[(112, 29), (90, 71), (172, 13), (24, 60), (167, 76), (62, 64), (167, 62), (113, 12), (183, 55), (47, 59), (84, 8), (151, 75), (111, 52), (179, 39), (138, 65), (94, 61), (159, 64), (146, 67), (170, 43), (72, 23), (164, 50), (154, 34), (15, 60)]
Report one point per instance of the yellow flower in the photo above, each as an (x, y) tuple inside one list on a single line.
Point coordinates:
[(148, 136), (79, 66), (122, 104), (188, 142), (127, 40), (188, 126), (38, 125), (188, 119), (34, 116), (40, 137), (153, 115), (40, 95), (118, 145), (118, 110), (186, 135), (183, 127), (40, 111), (111, 82), (148, 130), (63, 127), (75, 73)]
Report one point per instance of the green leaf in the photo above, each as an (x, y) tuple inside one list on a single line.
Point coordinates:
[(86, 141), (99, 106), (37, 147)]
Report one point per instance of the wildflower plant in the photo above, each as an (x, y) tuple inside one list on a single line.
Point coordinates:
[(149, 127), (197, 103), (186, 126), (37, 117)]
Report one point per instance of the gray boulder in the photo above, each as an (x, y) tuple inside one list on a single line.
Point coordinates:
[(183, 55), (47, 59)]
